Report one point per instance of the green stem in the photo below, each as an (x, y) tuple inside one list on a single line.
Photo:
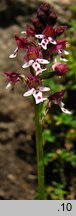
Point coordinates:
[(40, 158)]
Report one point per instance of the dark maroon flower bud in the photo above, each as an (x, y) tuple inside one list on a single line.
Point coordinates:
[(52, 18), (12, 77), (57, 95), (38, 26), (46, 8), (59, 68), (22, 42), (39, 29), (33, 81), (48, 31), (30, 30), (35, 21), (42, 16), (59, 30), (62, 42)]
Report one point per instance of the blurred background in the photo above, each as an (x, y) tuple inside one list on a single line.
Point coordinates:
[(18, 171)]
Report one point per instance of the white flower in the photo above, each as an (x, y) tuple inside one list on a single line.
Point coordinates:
[(14, 54), (63, 109), (37, 93), (63, 59), (56, 98), (63, 52), (45, 41), (8, 86), (36, 64)]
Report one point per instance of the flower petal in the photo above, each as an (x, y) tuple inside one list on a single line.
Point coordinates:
[(63, 109), (66, 52), (29, 92), (44, 89), (63, 51), (51, 40), (27, 64), (44, 43), (60, 51), (38, 97), (37, 68), (42, 61), (39, 36), (63, 59), (8, 86), (13, 55), (23, 32)]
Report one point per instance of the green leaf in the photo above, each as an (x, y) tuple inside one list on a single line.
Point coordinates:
[(48, 136)]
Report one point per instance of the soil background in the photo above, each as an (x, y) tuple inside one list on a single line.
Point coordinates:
[(18, 172)]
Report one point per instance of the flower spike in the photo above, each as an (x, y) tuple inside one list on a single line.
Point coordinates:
[(39, 53)]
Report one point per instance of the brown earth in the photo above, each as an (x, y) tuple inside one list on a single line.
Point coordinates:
[(17, 145), (17, 148)]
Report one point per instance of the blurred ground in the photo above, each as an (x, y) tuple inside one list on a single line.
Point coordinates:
[(17, 143)]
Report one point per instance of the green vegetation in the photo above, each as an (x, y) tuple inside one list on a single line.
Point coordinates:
[(60, 129)]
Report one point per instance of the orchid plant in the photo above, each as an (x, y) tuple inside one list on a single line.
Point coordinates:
[(42, 45)]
